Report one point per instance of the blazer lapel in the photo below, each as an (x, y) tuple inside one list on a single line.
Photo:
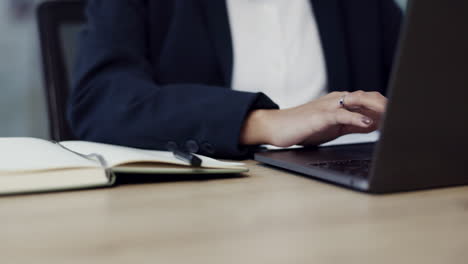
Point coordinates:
[(217, 20), (332, 33)]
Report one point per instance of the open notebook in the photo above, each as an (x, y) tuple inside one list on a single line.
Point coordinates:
[(36, 165)]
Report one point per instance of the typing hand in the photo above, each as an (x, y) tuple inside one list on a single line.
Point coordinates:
[(316, 122)]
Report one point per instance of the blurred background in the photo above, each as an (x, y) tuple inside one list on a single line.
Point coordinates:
[(22, 101)]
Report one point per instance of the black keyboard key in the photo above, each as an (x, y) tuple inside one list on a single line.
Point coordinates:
[(353, 167)]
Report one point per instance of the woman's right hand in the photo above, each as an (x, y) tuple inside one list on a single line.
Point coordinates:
[(316, 122)]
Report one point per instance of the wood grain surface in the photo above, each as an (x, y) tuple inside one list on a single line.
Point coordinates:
[(266, 216)]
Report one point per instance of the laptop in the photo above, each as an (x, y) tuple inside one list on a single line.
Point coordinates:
[(424, 135)]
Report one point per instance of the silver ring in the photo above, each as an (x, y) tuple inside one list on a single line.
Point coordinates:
[(342, 101)]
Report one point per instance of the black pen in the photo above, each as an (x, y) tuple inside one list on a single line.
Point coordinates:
[(183, 155), (187, 157)]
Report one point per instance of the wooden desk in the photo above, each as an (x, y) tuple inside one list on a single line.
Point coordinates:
[(267, 217)]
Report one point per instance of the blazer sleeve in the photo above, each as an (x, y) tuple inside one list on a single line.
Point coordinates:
[(116, 100), (392, 16)]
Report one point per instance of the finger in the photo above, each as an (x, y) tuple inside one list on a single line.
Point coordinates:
[(375, 116), (370, 100), (345, 117), (359, 130)]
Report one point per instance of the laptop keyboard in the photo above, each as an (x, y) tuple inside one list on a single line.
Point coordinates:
[(354, 167)]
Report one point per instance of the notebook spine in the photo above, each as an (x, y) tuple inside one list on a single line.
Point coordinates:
[(94, 157)]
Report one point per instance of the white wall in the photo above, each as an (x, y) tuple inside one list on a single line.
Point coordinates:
[(402, 3), (22, 102)]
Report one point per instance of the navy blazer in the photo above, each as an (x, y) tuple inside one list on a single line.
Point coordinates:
[(150, 72)]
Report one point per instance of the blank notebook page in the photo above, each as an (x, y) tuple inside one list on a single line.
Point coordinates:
[(119, 155), (31, 154)]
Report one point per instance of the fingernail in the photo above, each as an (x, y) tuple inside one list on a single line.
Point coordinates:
[(367, 121)]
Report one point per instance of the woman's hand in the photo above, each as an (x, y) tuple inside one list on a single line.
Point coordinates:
[(316, 122)]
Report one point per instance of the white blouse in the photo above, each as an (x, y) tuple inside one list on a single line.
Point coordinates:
[(277, 50)]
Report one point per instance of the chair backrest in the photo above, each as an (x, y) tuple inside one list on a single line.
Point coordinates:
[(59, 22)]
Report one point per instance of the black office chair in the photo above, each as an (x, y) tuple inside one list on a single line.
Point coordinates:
[(59, 22)]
